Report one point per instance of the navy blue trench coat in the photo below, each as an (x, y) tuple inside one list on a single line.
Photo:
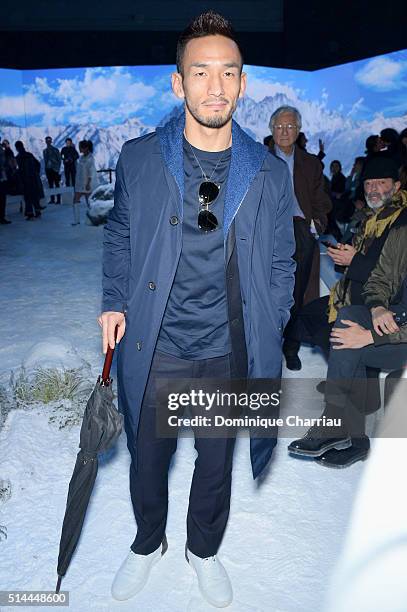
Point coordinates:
[(142, 246)]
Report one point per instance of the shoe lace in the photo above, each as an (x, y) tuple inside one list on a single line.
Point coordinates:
[(211, 567)]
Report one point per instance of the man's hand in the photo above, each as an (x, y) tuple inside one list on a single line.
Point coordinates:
[(108, 321), (383, 321), (352, 337), (342, 254)]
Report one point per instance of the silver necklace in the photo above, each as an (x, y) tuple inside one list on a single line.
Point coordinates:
[(197, 161)]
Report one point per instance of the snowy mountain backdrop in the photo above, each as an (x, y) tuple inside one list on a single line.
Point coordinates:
[(344, 137), (341, 105)]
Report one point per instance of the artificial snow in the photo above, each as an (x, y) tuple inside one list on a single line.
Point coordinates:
[(285, 531)]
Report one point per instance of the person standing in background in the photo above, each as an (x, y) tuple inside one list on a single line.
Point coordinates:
[(52, 164), (311, 207), (29, 171), (3, 188), (86, 179), (69, 157)]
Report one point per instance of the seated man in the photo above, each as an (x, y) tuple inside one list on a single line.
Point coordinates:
[(374, 335), (388, 209)]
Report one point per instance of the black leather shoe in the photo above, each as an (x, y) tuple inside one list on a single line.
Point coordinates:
[(4, 222), (293, 362), (317, 441), (358, 451), (321, 386), (43, 207)]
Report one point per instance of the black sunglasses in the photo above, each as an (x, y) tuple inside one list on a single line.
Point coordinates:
[(208, 192)]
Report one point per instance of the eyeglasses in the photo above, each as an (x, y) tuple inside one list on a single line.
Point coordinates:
[(208, 192), (290, 127)]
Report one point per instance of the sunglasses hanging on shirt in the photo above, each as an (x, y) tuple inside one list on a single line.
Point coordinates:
[(208, 192)]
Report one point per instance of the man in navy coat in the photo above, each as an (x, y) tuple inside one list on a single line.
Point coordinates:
[(198, 275)]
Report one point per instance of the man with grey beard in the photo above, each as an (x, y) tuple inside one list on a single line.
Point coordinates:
[(387, 208), (387, 211)]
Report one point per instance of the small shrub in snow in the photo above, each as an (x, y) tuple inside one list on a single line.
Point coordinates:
[(5, 490), (64, 391), (47, 385), (5, 405), (5, 494), (100, 203)]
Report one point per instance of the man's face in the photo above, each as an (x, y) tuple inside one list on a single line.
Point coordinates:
[(48, 141), (68, 142), (285, 130), (212, 81), (379, 192)]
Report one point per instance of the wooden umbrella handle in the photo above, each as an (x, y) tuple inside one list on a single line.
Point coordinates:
[(108, 360)]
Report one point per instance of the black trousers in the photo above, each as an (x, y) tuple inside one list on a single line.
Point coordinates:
[(70, 174), (312, 327), (346, 385), (305, 244), (32, 205), (209, 498), (53, 178)]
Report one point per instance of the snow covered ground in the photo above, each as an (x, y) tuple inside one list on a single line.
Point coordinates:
[(284, 534)]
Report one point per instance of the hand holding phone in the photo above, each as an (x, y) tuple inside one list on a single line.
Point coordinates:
[(329, 245)]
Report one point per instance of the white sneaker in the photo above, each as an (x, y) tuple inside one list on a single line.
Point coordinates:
[(213, 580), (134, 572)]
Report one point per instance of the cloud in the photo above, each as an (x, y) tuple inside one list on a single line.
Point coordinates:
[(258, 89), (356, 107), (99, 95), (12, 106), (382, 74), (42, 86)]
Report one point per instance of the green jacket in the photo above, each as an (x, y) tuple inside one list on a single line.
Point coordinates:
[(387, 284)]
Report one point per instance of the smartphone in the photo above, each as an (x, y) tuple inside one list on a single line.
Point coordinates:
[(329, 245)]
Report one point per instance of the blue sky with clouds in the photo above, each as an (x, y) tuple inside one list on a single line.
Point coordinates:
[(107, 96)]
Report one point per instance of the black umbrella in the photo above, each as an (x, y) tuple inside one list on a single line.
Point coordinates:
[(101, 426)]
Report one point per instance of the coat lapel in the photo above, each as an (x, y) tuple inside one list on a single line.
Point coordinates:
[(172, 151), (246, 161)]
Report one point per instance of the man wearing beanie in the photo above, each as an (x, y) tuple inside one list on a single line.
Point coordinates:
[(387, 210)]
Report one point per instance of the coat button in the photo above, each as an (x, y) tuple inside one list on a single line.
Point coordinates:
[(174, 220), (151, 286), (138, 344), (235, 322)]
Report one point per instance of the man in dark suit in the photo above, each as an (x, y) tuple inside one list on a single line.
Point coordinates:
[(311, 207)]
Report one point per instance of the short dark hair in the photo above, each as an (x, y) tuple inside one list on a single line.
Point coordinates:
[(371, 142), (336, 161), (66, 139), (389, 135), (206, 24), (86, 144)]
